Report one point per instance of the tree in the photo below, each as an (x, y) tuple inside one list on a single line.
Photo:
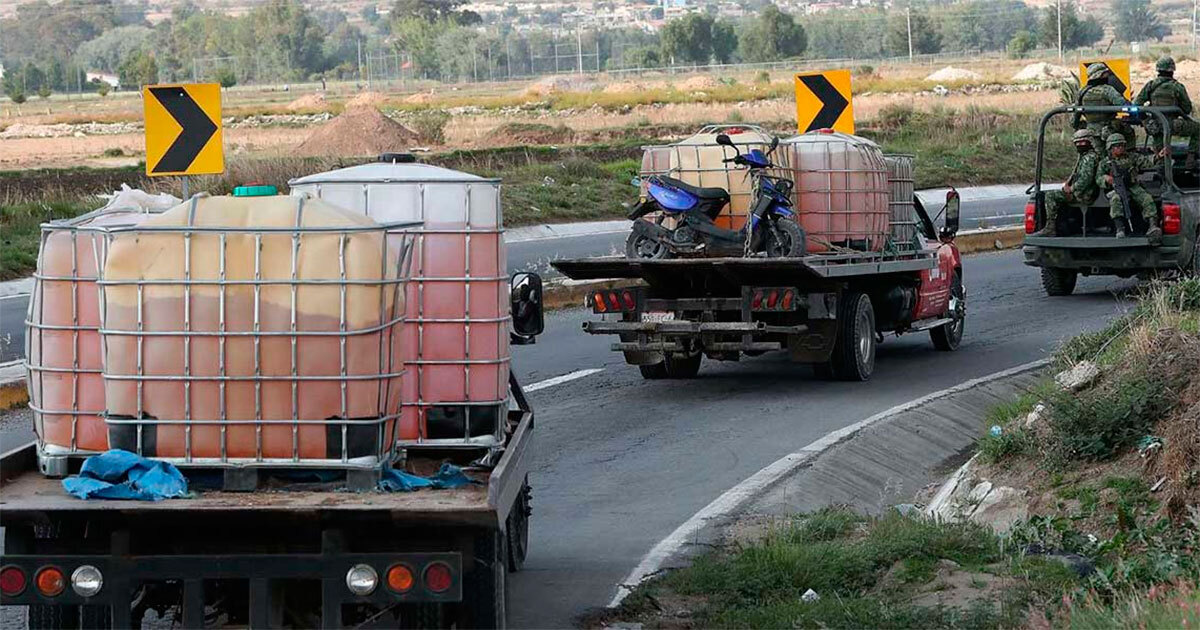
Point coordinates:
[(774, 35), (1021, 44), (106, 52), (434, 11), (138, 69), (44, 91), (1137, 21), (724, 41), (925, 38), (688, 39), (842, 34), (963, 25), (643, 57), (1076, 32), (226, 77)]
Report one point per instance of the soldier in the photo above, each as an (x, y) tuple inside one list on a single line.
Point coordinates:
[(1098, 91), (1119, 160), (1165, 91), (1081, 188)]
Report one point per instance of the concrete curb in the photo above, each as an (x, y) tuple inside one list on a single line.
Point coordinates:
[(989, 239)]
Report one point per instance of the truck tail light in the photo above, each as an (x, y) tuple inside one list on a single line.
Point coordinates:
[(12, 581), (614, 301), (1171, 218), (773, 299), (1030, 218), (400, 578), (438, 577), (50, 581)]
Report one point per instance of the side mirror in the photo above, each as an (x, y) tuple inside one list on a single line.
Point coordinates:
[(774, 144), (526, 299), (953, 204), (724, 140)]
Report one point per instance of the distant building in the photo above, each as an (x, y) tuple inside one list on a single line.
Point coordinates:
[(111, 79)]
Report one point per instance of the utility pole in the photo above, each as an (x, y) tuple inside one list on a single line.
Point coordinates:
[(508, 55), (360, 77), (908, 20), (579, 48), (1060, 51), (1195, 6)]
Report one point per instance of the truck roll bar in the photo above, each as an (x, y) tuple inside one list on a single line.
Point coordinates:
[(1133, 110)]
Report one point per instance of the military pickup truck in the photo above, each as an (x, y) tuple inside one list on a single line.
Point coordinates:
[(1085, 242)]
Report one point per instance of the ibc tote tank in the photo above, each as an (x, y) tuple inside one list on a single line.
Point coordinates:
[(456, 329), (841, 189)]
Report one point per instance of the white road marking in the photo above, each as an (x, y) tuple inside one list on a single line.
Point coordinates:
[(14, 296), (559, 380), (759, 481)]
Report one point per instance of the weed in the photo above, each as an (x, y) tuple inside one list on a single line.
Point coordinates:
[(735, 116), (762, 77), (430, 125), (1097, 423), (114, 152), (1088, 346), (20, 227), (1011, 442)]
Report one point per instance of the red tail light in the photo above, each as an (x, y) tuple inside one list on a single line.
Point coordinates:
[(773, 299), (614, 302), (756, 303), (598, 302), (627, 299), (1171, 218), (438, 577), (786, 303), (1030, 218), (12, 581), (50, 581)]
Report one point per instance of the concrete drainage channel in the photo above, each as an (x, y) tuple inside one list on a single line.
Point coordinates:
[(867, 466)]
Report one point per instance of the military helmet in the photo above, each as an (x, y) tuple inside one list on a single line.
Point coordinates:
[(1084, 135), (1097, 70), (1114, 140), (1166, 64)]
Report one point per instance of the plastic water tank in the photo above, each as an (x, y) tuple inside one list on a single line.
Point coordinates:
[(456, 387), (841, 189)]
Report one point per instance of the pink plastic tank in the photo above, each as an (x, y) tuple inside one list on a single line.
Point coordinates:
[(63, 356), (455, 389), (841, 190), (254, 331)]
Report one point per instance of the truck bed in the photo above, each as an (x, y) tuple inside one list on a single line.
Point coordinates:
[(747, 271)]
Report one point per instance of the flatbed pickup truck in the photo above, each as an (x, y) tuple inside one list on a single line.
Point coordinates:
[(1085, 242), (295, 555), (829, 309)]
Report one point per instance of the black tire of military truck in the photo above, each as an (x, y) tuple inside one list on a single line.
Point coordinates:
[(947, 336), (853, 357), (485, 587), (1059, 282)]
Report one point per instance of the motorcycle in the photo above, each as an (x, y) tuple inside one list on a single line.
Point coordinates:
[(771, 228)]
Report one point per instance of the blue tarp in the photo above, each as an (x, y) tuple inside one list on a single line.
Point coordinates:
[(119, 474), (448, 476)]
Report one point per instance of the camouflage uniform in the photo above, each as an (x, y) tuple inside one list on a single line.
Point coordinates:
[(1133, 163), (1084, 189), (1165, 91), (1099, 93)]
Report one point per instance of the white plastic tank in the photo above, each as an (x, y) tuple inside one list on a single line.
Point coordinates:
[(901, 181), (63, 351), (841, 190), (455, 390)]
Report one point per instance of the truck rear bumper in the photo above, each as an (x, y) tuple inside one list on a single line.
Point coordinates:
[(1102, 255)]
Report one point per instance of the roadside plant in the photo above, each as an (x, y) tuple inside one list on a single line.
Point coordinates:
[(430, 125)]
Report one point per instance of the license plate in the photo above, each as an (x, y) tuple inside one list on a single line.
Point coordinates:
[(658, 316)]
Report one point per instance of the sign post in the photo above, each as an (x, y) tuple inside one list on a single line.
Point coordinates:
[(183, 130), (823, 101)]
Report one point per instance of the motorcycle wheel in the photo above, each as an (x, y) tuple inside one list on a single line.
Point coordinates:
[(639, 246), (786, 239)]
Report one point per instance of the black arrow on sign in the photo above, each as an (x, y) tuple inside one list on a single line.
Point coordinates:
[(1115, 80), (832, 101), (196, 126)]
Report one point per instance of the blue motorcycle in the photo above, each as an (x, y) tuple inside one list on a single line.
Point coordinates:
[(770, 230)]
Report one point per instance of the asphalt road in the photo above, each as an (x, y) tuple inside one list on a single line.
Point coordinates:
[(621, 462)]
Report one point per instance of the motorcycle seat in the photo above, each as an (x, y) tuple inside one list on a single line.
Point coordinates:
[(711, 194)]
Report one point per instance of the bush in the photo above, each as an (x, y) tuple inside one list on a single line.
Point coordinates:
[(762, 77), (17, 96), (44, 91), (896, 115), (114, 152), (102, 89), (735, 116), (430, 125), (864, 70), (226, 78), (1097, 423), (1021, 44)]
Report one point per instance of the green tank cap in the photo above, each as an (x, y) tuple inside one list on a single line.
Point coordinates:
[(255, 191)]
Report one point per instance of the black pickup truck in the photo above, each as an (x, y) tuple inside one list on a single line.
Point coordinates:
[(1086, 241)]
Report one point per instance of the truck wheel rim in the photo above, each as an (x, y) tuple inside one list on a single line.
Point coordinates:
[(864, 336)]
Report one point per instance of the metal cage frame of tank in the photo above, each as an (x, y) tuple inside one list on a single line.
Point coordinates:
[(394, 235), (902, 184), (55, 460), (500, 405), (783, 168)]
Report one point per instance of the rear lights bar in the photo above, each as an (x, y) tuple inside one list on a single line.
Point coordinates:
[(776, 299), (1030, 218), (1172, 218), (614, 301)]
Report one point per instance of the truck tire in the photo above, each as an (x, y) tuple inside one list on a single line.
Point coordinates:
[(683, 368), (790, 242), (654, 372), (947, 336), (517, 527), (853, 356), (1193, 269), (485, 588), (69, 617), (1058, 282)]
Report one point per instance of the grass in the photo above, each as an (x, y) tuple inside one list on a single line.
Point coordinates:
[(573, 190), (19, 225)]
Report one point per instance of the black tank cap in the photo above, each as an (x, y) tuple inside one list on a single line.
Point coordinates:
[(396, 158)]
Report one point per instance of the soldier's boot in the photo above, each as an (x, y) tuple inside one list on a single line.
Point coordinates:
[(1153, 232), (1120, 221), (1046, 231)]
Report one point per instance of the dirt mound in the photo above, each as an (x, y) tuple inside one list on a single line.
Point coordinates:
[(512, 134), (420, 98), (703, 82), (1187, 70), (950, 73), (366, 99), (555, 84), (1042, 71), (307, 102), (623, 87), (359, 131)]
